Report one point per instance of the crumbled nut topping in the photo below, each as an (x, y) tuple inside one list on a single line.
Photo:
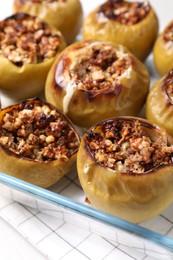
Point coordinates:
[(26, 39), (36, 131), (127, 147), (99, 67), (168, 85), (168, 33), (124, 12)]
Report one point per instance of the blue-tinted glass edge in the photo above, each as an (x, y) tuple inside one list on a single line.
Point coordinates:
[(86, 210)]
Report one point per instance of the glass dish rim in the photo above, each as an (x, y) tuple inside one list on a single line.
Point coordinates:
[(55, 198)]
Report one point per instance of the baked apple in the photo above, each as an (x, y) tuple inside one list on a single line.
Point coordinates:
[(94, 80), (28, 48), (38, 144), (65, 15), (159, 105), (163, 50), (125, 167), (132, 24)]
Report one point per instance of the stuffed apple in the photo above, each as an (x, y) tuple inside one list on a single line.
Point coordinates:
[(38, 144), (94, 80), (125, 166), (28, 48)]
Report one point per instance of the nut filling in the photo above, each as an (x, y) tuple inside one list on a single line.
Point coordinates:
[(38, 132), (125, 12), (168, 86), (127, 147), (25, 39), (168, 34), (100, 68)]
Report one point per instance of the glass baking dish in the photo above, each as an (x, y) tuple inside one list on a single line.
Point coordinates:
[(66, 200)]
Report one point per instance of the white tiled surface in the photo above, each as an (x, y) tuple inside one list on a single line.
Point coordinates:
[(31, 234)]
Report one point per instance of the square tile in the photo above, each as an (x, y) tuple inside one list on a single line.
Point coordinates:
[(157, 251), (72, 234), (4, 201), (34, 229), (77, 219), (158, 224), (95, 247), (51, 221), (74, 254), (109, 232), (16, 213), (73, 192), (54, 246), (118, 254), (132, 251), (60, 185), (24, 198), (129, 239), (32, 210)]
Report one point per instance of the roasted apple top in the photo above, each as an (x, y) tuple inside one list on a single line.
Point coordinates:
[(93, 80), (25, 39), (125, 12), (37, 131), (127, 146), (99, 67)]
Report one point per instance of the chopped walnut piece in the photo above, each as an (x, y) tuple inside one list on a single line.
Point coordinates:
[(127, 147), (100, 68), (39, 132), (124, 12), (25, 39)]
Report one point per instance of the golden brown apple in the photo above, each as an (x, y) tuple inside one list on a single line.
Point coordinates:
[(38, 144), (28, 49), (125, 167), (94, 80)]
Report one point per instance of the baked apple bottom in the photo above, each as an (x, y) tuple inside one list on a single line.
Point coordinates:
[(125, 167), (38, 144)]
